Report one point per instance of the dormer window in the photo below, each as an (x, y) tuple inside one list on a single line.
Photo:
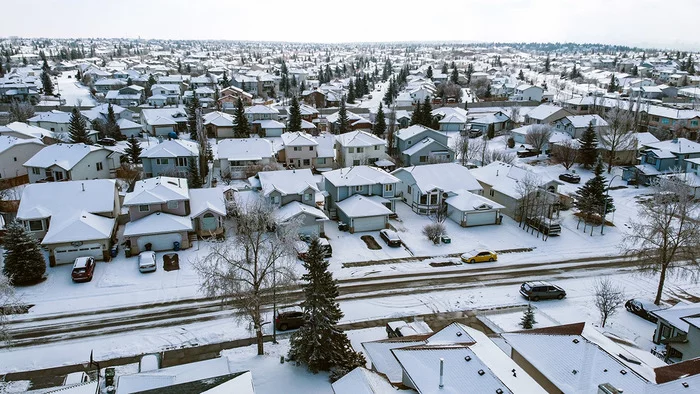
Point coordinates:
[(276, 200)]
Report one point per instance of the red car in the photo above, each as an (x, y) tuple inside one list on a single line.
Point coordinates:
[(83, 268)]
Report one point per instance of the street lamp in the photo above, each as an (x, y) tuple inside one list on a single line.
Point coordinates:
[(605, 209)]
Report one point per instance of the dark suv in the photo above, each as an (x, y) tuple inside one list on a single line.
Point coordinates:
[(289, 320), (535, 291)]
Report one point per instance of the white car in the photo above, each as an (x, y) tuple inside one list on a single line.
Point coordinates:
[(147, 261)]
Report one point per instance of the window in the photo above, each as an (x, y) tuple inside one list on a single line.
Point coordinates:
[(321, 160), (694, 123), (389, 188), (433, 199), (14, 159), (423, 159), (276, 199), (665, 121), (491, 193), (410, 142), (351, 150), (376, 147), (307, 162), (358, 188), (99, 166), (181, 162), (162, 161), (356, 162), (307, 196), (360, 150), (311, 148), (36, 225), (36, 170), (173, 204), (423, 199), (144, 208), (58, 175), (297, 148), (408, 190)]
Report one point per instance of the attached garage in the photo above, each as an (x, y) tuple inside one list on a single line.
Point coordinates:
[(159, 242), (469, 209), (370, 223), (480, 218), (364, 213), (159, 229), (68, 254)]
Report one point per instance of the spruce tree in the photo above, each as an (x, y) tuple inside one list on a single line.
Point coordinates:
[(444, 68), (225, 82), (351, 92), (591, 199), (194, 178), (77, 128), (426, 116), (454, 78), (241, 128), (343, 120), (528, 319), (588, 149), (192, 111), (46, 83), (319, 343), (521, 76), (379, 123), (547, 65), (24, 261), (415, 116), (111, 127), (294, 123), (429, 73), (133, 150)]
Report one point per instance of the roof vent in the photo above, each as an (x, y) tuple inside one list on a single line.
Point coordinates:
[(685, 384), (467, 358), (575, 340), (622, 371), (574, 372), (459, 334), (499, 391), (481, 372)]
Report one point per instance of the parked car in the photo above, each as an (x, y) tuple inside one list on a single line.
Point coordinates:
[(289, 320), (569, 177), (147, 261), (326, 246), (479, 257), (527, 153), (390, 237), (83, 268), (643, 309), (107, 141), (535, 291), (302, 248)]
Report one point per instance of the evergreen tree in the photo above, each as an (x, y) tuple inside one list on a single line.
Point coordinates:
[(528, 319), (429, 73), (588, 149), (591, 198), (521, 76), (149, 84), (77, 128), (194, 178), (389, 94), (133, 149), (225, 82), (547, 65), (635, 71), (454, 78), (351, 92), (192, 110), (426, 116), (612, 86), (319, 343), (24, 260), (294, 123), (46, 83), (487, 94), (379, 123), (343, 121), (111, 128), (241, 128), (415, 116), (444, 68)]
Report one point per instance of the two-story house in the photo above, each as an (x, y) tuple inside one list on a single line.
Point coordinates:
[(575, 125), (661, 157), (263, 117), (300, 150), (358, 148), (72, 162), (296, 196), (170, 93), (14, 152), (71, 219), (417, 145), (218, 124), (237, 157), (546, 114), (132, 95), (170, 157), (526, 92), (355, 122), (54, 120), (492, 122), (204, 94), (163, 121), (231, 94)]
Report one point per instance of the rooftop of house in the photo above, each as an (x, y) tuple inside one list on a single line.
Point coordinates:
[(359, 138), (171, 149), (357, 206), (443, 176), (287, 182), (207, 199), (676, 146), (241, 149), (543, 111), (65, 156), (298, 138), (7, 142), (43, 200), (26, 130), (219, 119), (358, 176), (157, 190)]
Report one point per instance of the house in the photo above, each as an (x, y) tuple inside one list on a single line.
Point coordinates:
[(364, 213), (672, 329), (268, 128), (170, 93), (361, 180), (359, 147), (453, 122), (163, 121), (492, 122), (72, 162), (259, 113), (417, 145), (169, 157), (355, 122), (218, 124), (446, 186), (300, 150), (239, 155), (129, 128), (14, 152), (691, 177), (132, 95), (526, 92), (207, 211), (575, 125), (500, 182), (204, 94), (662, 157), (72, 219), (104, 85), (231, 94), (326, 151), (54, 120), (25, 131), (545, 114), (294, 193), (159, 215)]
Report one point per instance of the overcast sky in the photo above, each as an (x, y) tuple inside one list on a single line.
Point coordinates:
[(648, 23)]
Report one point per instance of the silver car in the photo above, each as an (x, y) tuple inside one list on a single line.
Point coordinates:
[(147, 261)]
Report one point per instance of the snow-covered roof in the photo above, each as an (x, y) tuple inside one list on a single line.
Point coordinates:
[(646, 138), (582, 121), (65, 156), (503, 177), (43, 200), (379, 354), (466, 201), (413, 131), (298, 138), (27, 130), (543, 111), (363, 381), (219, 119), (424, 143), (172, 149), (245, 149), (418, 327), (287, 182), (7, 142), (157, 190), (453, 118), (159, 116), (209, 199), (676, 146), (170, 376), (359, 138), (127, 124), (295, 208), (261, 109), (358, 176), (443, 176), (269, 124), (53, 116), (158, 223), (674, 314), (358, 206), (498, 117), (85, 226)]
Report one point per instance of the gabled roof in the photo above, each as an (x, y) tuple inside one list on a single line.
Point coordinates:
[(27, 130), (298, 138), (245, 149), (172, 149), (261, 109), (544, 111), (412, 131), (379, 354), (358, 206), (43, 200), (294, 208), (363, 381), (157, 190), (65, 156), (359, 138), (7, 142), (466, 201), (287, 182), (158, 223), (676, 146), (422, 144), (444, 176), (85, 226), (219, 119), (358, 176), (581, 121), (54, 116), (208, 199)]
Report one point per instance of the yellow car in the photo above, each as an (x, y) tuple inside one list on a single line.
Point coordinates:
[(480, 257)]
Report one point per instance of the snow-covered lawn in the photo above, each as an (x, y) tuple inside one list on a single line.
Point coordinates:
[(73, 91)]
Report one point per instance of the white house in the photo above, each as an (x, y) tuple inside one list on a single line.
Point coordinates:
[(359, 147), (14, 152), (236, 155), (65, 162)]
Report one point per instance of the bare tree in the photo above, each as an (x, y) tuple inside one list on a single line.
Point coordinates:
[(391, 130), (434, 231), (515, 114), (244, 267), (618, 135), (21, 111), (608, 298), (664, 235), (461, 148), (538, 136), (498, 155), (565, 153)]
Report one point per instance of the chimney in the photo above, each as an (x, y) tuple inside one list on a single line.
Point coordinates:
[(442, 366), (83, 184)]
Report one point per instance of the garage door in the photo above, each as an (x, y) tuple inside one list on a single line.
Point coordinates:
[(159, 241), (481, 218), (371, 223), (68, 254), (309, 230)]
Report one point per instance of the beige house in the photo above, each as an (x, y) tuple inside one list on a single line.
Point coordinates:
[(300, 150)]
